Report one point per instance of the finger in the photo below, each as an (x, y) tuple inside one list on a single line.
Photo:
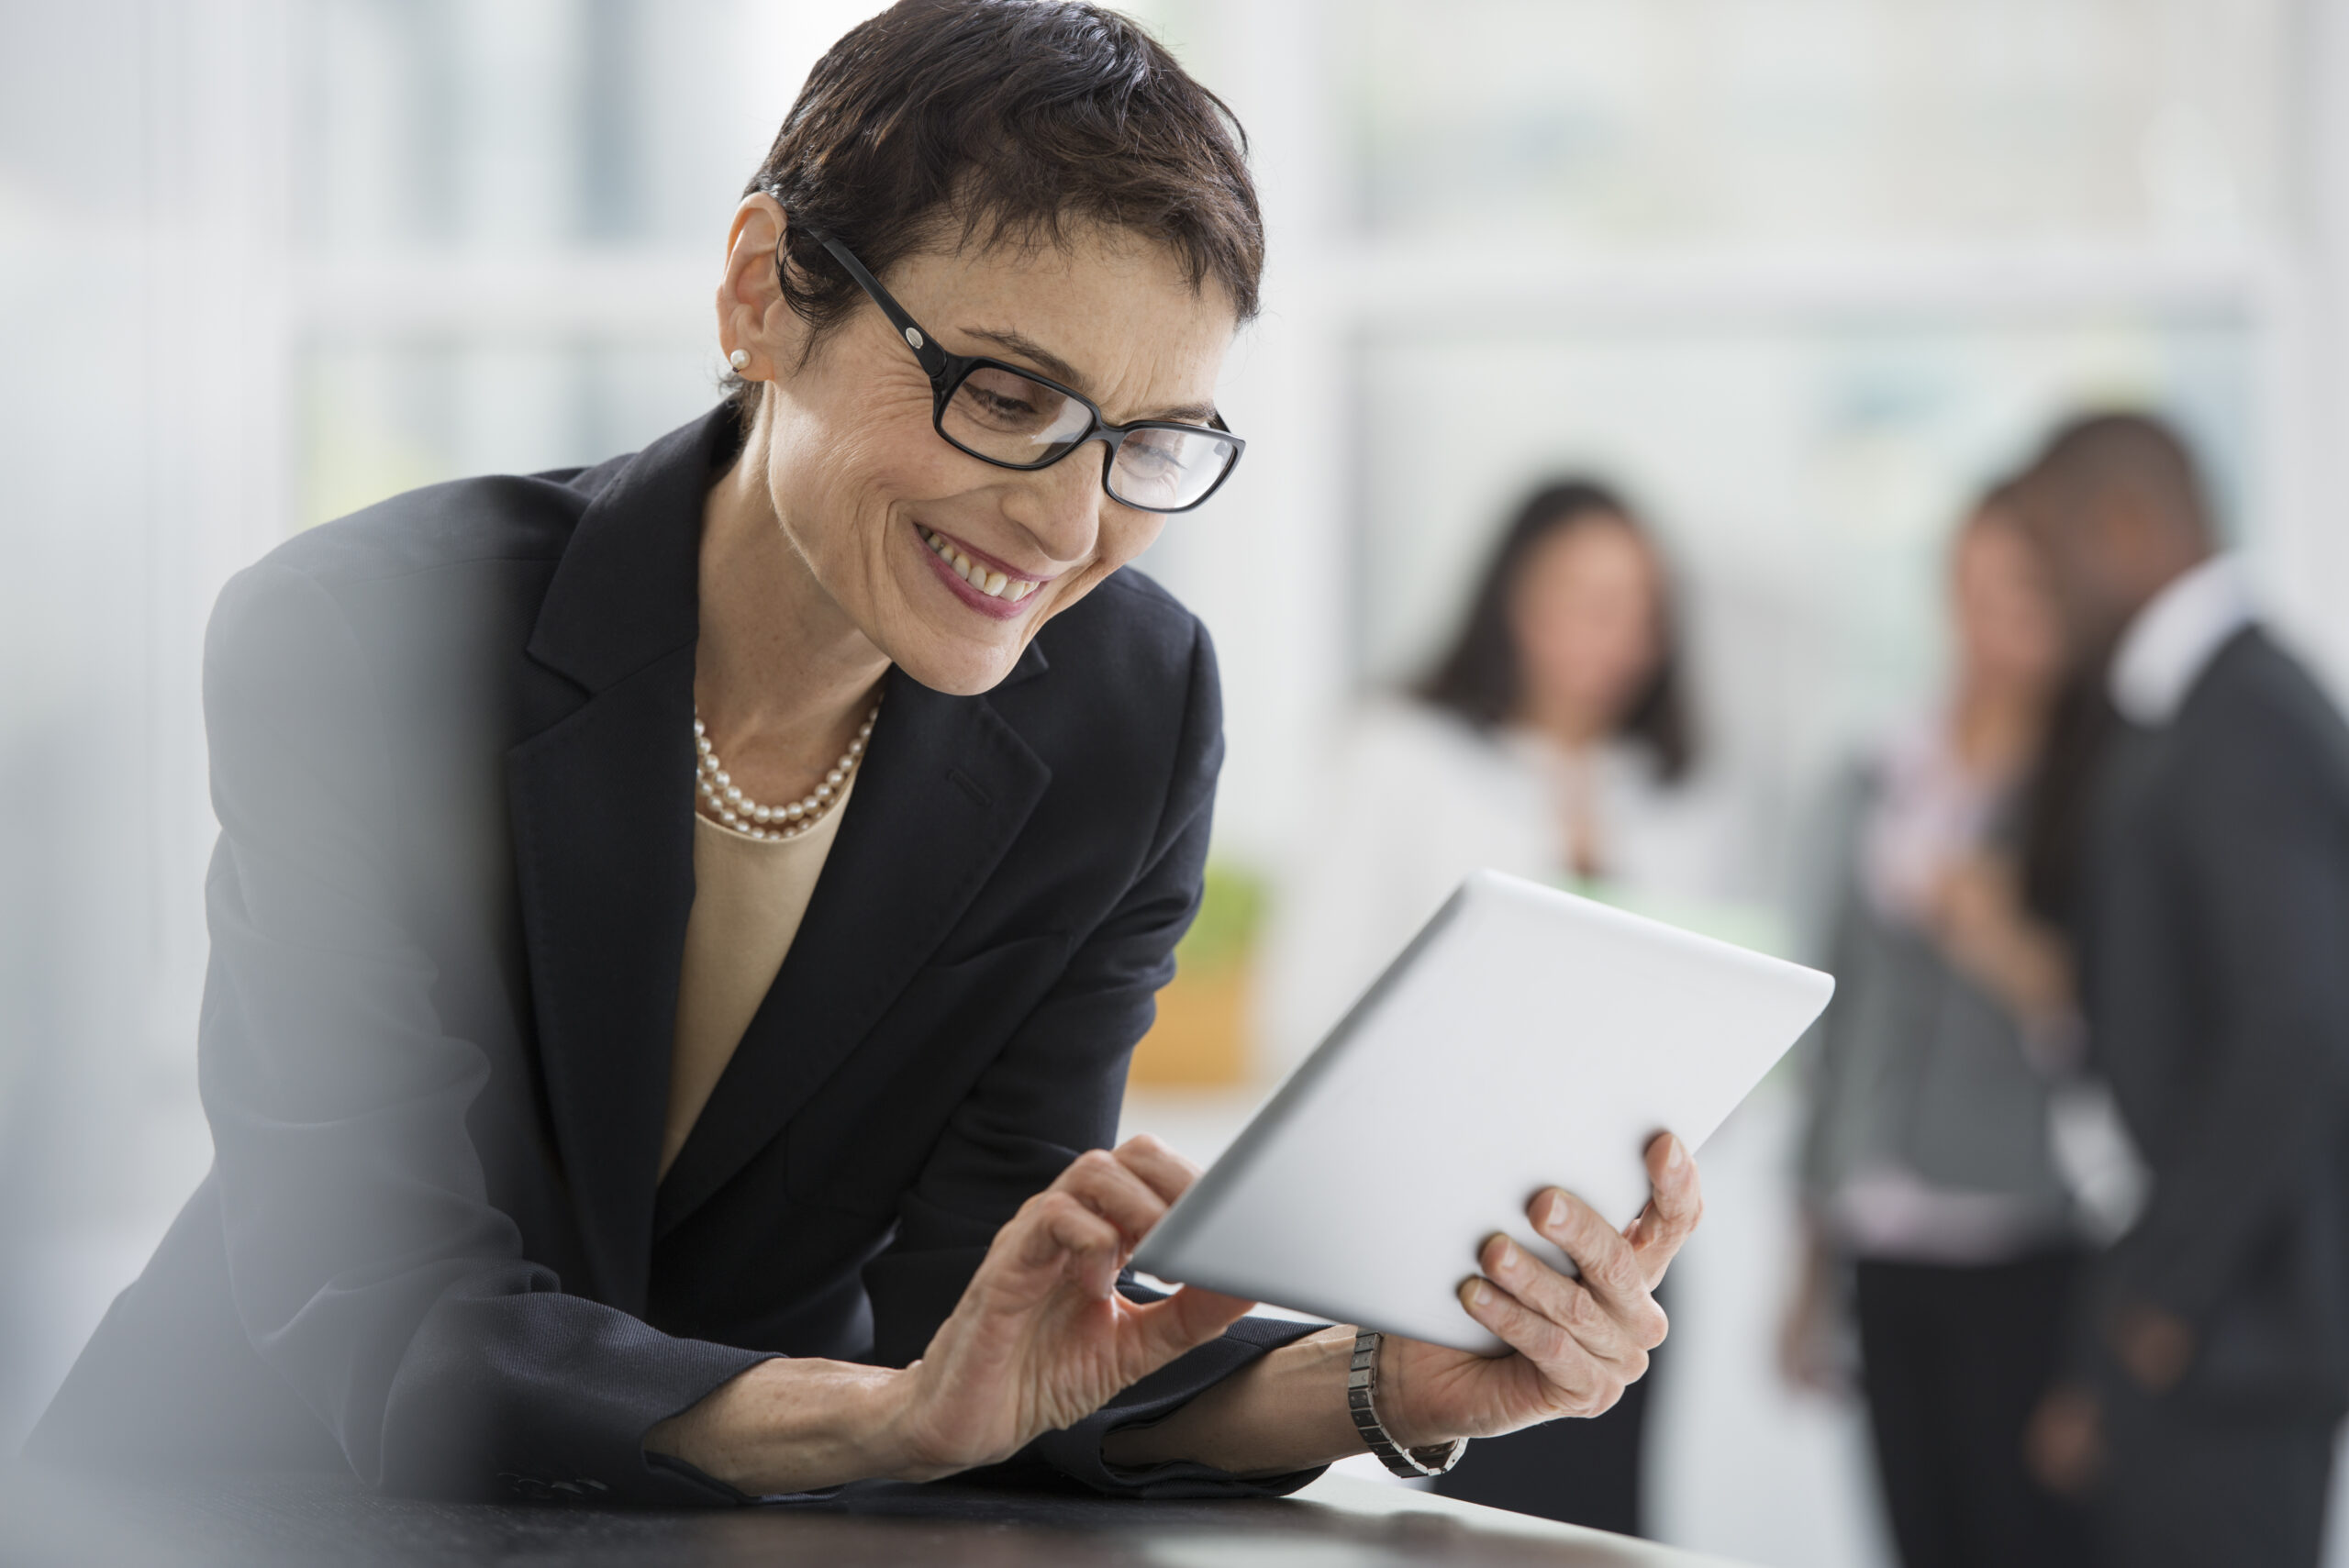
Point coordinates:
[(1166, 1172), (1611, 1268), (1672, 1213), (1053, 1233), (1183, 1321), (1102, 1184), (1622, 1336), (1577, 1383)]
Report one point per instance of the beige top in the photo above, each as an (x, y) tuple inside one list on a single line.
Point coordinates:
[(748, 897)]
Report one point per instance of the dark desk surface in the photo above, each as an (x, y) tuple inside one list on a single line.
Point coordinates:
[(49, 1520)]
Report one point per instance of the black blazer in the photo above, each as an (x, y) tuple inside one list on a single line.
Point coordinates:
[(453, 762), (2214, 948)]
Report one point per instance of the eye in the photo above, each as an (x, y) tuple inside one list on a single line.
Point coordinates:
[(1003, 401), (1152, 452), (1001, 404)]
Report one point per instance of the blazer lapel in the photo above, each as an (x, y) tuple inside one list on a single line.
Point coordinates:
[(946, 788), (601, 801)]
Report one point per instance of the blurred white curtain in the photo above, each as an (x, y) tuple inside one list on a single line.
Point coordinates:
[(142, 198)]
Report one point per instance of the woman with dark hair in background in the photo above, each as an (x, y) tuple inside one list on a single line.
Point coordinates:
[(1929, 1168), (1552, 741), (1572, 633), (678, 926)]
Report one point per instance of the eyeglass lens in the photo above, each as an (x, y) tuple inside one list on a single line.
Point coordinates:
[(1004, 417)]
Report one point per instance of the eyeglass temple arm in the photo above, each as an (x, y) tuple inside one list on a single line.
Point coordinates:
[(932, 357)]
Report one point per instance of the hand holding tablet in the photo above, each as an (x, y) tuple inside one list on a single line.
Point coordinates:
[(1489, 1112), (1579, 1341)]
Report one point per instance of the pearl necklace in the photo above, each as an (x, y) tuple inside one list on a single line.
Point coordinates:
[(722, 799)]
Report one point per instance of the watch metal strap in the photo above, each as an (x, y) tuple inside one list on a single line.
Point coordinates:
[(1362, 1383)]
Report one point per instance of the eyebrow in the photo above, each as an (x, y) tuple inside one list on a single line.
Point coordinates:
[(1060, 369)]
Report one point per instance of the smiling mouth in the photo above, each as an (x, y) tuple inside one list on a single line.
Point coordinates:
[(982, 578)]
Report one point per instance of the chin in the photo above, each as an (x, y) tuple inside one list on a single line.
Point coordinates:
[(966, 671)]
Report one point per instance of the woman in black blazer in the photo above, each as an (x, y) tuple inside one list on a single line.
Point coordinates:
[(456, 740)]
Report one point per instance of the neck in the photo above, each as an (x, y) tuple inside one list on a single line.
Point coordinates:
[(781, 676), (2140, 576), (1566, 725)]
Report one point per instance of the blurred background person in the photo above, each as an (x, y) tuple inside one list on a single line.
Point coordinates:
[(1927, 1176), (1553, 740), (2210, 913)]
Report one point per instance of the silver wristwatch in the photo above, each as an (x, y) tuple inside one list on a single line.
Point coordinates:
[(1362, 1383)]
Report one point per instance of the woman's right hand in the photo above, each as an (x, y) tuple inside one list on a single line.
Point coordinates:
[(1981, 925), (1042, 1338)]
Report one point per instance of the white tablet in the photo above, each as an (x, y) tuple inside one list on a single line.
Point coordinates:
[(1525, 1038)]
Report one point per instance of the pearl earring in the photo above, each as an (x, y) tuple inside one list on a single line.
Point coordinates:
[(739, 358)]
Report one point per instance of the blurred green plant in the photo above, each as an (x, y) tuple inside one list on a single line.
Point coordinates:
[(1231, 914)]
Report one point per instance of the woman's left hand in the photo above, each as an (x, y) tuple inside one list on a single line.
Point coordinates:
[(1576, 1343)]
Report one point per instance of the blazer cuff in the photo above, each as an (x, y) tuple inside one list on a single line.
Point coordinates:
[(725, 1492), (594, 1452), (1075, 1451)]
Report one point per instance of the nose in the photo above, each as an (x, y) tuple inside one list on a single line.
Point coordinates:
[(1060, 507)]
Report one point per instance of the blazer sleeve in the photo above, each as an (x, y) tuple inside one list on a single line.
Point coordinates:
[(367, 1264), (2262, 867), (1053, 1092)]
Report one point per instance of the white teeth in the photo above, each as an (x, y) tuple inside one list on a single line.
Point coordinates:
[(998, 584)]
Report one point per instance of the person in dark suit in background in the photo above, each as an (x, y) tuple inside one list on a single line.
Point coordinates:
[(2210, 913)]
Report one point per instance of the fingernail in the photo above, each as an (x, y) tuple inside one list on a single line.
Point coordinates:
[(1676, 1156), (1557, 1215), (1479, 1293), (1509, 1253)]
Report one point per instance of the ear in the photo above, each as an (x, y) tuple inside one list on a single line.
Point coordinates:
[(752, 316)]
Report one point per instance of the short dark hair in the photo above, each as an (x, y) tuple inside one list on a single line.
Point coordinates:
[(2086, 458), (1006, 120), (2093, 454), (1481, 677)]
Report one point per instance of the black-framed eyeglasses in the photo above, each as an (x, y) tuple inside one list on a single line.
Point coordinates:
[(1016, 419)]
